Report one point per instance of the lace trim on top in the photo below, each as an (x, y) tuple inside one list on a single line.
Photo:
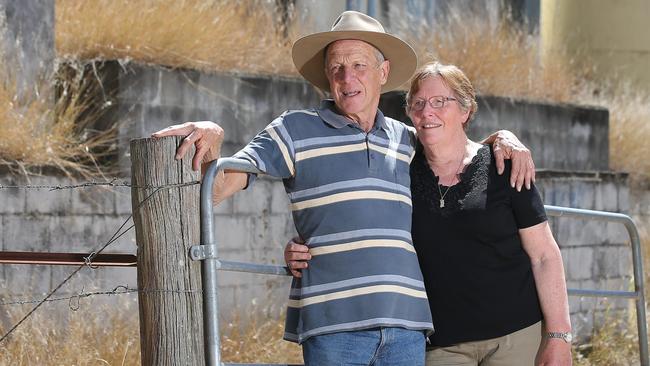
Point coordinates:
[(469, 193)]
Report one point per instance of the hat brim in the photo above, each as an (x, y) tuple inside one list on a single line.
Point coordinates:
[(309, 59)]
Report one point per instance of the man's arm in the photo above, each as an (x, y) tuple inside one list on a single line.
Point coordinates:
[(207, 138), (507, 146)]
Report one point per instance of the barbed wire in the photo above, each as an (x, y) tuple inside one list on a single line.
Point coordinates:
[(88, 260), (118, 290), (112, 183)]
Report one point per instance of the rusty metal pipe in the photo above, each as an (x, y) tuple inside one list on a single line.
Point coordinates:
[(68, 259)]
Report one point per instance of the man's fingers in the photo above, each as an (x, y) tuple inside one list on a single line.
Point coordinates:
[(532, 170), (295, 273), (530, 174), (499, 158), (186, 145), (296, 267), (198, 156), (175, 130), (514, 173), (296, 247), (297, 256)]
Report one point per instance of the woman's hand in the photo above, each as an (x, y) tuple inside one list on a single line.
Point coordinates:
[(296, 255), (554, 352)]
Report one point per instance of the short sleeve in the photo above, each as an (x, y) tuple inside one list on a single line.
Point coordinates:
[(271, 151), (527, 205)]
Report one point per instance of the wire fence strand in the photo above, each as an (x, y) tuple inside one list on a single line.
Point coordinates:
[(116, 235), (115, 182), (118, 290)]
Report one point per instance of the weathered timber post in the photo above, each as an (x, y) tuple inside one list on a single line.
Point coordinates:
[(167, 225)]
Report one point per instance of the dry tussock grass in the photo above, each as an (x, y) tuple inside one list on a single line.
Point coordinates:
[(98, 334), (49, 130), (94, 335), (615, 343), (500, 57), (208, 35)]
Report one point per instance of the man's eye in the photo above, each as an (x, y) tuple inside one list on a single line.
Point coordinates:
[(359, 66), (419, 104)]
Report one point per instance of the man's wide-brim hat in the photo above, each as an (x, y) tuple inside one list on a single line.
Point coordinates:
[(309, 59)]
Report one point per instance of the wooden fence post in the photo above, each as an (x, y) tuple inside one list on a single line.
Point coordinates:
[(167, 225)]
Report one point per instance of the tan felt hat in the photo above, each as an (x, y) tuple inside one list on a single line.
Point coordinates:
[(308, 57)]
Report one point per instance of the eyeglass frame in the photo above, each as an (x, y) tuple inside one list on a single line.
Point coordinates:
[(442, 100)]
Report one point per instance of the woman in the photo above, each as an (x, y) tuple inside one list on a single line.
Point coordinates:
[(493, 271), (492, 268)]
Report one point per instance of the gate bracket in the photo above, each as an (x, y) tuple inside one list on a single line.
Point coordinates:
[(201, 252)]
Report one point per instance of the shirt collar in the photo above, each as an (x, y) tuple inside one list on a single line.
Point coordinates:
[(328, 113)]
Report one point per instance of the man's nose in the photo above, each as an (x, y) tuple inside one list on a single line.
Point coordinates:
[(345, 74)]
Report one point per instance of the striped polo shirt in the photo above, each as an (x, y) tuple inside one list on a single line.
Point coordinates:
[(351, 202)]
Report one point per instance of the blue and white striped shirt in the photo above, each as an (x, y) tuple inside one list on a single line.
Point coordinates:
[(351, 202)]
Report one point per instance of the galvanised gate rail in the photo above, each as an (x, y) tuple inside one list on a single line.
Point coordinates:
[(211, 264)]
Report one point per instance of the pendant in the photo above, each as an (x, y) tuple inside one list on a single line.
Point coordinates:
[(442, 203)]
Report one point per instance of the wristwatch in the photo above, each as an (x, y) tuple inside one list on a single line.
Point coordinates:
[(565, 336)]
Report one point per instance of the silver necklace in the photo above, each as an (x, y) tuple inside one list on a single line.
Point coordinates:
[(442, 195)]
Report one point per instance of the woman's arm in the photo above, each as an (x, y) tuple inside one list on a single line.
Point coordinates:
[(548, 270)]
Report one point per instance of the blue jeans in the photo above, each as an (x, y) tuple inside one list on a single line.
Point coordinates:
[(372, 347)]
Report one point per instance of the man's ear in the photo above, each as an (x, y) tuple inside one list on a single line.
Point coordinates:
[(385, 69)]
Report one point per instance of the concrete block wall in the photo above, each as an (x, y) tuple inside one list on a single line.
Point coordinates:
[(597, 255), (563, 137), (251, 227)]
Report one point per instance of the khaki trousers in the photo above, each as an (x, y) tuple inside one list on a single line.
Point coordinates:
[(515, 349)]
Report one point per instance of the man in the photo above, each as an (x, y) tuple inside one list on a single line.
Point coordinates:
[(345, 168)]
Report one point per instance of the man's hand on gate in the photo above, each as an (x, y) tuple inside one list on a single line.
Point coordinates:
[(296, 255), (205, 135)]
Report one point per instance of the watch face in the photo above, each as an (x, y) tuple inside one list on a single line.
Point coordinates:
[(568, 337)]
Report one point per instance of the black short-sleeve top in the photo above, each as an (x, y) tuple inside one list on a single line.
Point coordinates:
[(477, 275)]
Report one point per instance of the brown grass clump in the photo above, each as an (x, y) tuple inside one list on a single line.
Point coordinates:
[(258, 339), (502, 58), (98, 334), (49, 130), (93, 335), (498, 55), (208, 35), (614, 343)]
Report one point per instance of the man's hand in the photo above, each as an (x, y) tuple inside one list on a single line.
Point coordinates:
[(507, 146), (296, 255), (205, 135), (554, 352)]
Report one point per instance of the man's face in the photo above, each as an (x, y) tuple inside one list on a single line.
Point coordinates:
[(355, 77)]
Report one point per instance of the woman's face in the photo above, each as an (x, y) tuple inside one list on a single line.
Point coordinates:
[(440, 117)]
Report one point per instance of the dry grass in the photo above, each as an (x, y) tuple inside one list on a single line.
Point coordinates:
[(93, 335), (97, 334), (499, 56), (48, 130), (200, 34), (615, 343)]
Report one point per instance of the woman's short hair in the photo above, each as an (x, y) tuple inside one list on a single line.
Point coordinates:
[(454, 78)]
